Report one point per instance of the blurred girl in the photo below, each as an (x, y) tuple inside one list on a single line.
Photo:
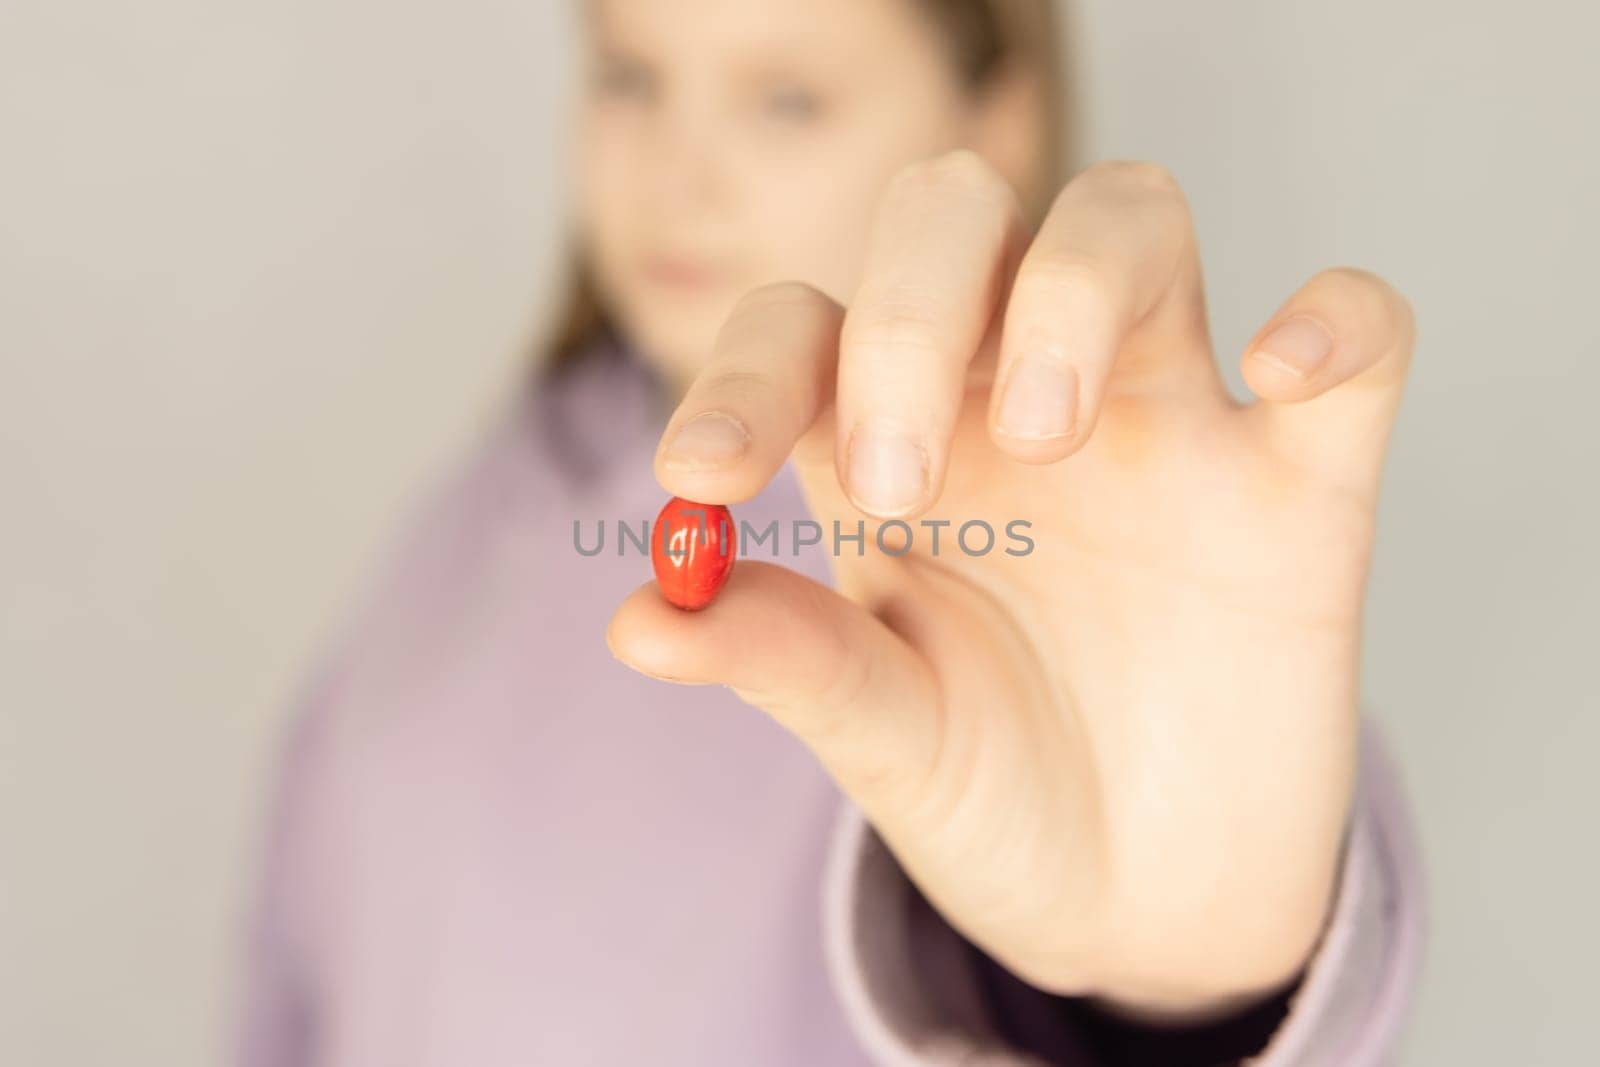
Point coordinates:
[(1107, 798)]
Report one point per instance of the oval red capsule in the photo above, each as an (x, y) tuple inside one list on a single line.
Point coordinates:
[(692, 547)]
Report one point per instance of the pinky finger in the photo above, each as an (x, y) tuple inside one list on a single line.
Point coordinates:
[(1330, 367)]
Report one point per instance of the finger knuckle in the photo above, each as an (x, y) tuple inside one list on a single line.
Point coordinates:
[(1141, 191), (1141, 175), (844, 688), (1075, 277), (961, 171), (780, 294), (776, 306), (827, 714), (892, 328), (739, 384)]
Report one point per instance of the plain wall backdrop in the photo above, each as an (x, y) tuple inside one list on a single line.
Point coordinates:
[(265, 267)]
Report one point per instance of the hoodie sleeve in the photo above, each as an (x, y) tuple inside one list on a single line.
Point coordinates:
[(275, 1021), (918, 994)]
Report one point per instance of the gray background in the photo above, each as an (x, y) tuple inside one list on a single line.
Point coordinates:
[(263, 267)]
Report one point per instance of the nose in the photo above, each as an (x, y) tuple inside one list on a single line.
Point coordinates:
[(686, 161)]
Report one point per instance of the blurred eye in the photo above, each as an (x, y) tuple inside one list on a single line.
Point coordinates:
[(623, 80), (792, 104)]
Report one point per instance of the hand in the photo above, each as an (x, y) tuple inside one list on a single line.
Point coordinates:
[(1122, 763)]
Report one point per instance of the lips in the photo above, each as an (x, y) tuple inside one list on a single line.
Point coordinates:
[(679, 272)]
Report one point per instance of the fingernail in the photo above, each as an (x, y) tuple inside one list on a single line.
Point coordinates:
[(888, 471), (709, 441), (1299, 346), (1040, 399)]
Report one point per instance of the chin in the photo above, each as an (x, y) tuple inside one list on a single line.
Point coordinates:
[(673, 354), (679, 344)]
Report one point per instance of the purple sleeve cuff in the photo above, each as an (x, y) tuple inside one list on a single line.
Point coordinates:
[(918, 994)]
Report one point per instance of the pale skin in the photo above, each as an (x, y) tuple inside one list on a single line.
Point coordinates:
[(1122, 764)]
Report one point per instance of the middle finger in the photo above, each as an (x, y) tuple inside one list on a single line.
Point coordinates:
[(940, 256)]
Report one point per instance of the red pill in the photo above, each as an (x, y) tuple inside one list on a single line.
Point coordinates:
[(693, 547)]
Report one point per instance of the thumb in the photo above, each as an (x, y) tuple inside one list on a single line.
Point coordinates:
[(1330, 368), (825, 668)]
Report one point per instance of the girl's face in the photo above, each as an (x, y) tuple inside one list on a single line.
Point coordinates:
[(724, 144)]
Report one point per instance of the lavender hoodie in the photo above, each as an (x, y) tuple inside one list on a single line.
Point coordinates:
[(493, 844)]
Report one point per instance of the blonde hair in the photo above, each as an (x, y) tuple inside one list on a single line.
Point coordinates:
[(984, 37)]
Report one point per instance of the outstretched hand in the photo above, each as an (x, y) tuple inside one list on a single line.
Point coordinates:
[(1121, 763)]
